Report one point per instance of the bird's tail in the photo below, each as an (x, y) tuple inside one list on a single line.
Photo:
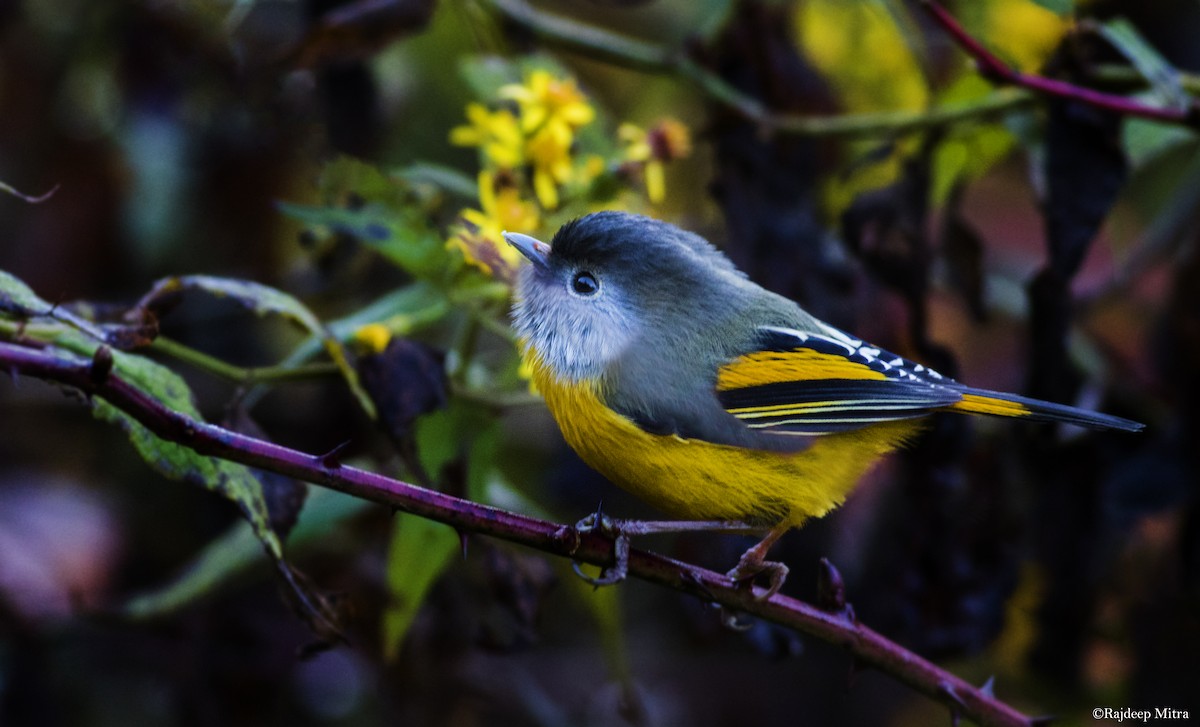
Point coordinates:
[(994, 403)]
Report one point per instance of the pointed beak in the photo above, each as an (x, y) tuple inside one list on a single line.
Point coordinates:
[(537, 251)]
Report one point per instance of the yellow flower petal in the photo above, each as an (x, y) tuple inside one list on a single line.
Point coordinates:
[(656, 185), (373, 337), (545, 189)]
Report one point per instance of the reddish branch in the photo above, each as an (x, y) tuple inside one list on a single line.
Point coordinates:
[(834, 623), (996, 70)]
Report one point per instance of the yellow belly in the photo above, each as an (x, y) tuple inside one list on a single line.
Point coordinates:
[(694, 479)]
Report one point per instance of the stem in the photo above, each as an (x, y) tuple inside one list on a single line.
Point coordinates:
[(838, 628), (239, 374), (994, 69)]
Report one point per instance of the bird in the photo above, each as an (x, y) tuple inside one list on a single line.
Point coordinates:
[(724, 405)]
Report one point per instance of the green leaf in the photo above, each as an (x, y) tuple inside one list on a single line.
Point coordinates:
[(1059, 7), (1145, 141), (18, 299), (1163, 77), (265, 300), (238, 551), (402, 238), (232, 481), (969, 150), (441, 176), (19, 302), (404, 311), (484, 75), (420, 550)]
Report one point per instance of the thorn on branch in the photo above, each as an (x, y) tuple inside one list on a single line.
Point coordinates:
[(989, 688), (463, 536), (102, 365), (951, 694), (332, 459), (831, 589)]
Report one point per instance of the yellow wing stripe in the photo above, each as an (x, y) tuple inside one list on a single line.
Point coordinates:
[(976, 404), (772, 367), (819, 407), (792, 406)]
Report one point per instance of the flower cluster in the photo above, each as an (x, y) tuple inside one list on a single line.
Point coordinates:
[(534, 164)]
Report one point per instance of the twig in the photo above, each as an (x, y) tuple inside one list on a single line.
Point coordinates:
[(639, 55), (240, 374), (866, 645), (996, 70)]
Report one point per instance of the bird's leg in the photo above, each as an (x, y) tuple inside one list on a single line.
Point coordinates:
[(754, 561), (621, 531)]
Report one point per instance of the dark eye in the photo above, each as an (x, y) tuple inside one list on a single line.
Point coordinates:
[(584, 283)]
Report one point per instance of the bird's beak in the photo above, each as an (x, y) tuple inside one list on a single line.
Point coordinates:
[(537, 251)]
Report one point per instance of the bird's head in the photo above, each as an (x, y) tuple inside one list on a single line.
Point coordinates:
[(607, 280)]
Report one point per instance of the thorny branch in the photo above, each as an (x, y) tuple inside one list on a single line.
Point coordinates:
[(834, 623), (997, 71)]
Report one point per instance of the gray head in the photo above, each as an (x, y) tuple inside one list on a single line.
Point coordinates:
[(611, 279)]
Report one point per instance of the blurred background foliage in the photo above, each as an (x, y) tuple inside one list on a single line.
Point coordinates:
[(363, 157)]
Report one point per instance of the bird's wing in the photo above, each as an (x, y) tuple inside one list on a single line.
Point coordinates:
[(813, 383)]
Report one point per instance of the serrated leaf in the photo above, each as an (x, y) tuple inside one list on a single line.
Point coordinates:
[(232, 481), (238, 551), (265, 300), (420, 550), (1162, 76)]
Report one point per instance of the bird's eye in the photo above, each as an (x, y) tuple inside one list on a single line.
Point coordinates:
[(584, 283)]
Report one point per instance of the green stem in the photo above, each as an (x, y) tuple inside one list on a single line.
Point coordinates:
[(239, 374)]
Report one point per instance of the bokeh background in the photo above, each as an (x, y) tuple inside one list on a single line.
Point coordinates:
[(1047, 248)]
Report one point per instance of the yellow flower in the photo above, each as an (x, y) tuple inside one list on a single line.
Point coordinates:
[(480, 237), (665, 141), (497, 133), (371, 338), (549, 152), (544, 99)]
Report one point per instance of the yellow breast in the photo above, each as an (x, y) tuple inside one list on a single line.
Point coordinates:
[(695, 479)]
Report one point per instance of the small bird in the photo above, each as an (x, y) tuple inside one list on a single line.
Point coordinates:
[(712, 398)]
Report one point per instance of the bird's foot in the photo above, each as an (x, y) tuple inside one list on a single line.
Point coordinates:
[(753, 564), (600, 523)]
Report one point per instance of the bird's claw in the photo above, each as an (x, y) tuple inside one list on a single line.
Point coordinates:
[(600, 523), (751, 565)]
